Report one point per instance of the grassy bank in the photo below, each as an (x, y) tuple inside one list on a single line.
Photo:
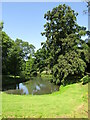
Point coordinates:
[(71, 101)]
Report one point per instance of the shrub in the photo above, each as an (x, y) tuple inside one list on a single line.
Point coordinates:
[(85, 79)]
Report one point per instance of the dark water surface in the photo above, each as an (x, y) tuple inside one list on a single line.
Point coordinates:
[(35, 86)]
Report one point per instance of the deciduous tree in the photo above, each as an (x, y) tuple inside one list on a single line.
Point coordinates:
[(64, 43)]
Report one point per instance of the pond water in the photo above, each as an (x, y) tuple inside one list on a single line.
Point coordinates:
[(35, 86)]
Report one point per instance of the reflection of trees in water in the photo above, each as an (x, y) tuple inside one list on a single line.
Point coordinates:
[(23, 88), (44, 87), (36, 86)]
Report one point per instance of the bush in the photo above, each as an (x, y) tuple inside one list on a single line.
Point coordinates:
[(71, 79), (85, 79)]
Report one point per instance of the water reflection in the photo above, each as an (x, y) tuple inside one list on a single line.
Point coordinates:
[(23, 88), (36, 86)]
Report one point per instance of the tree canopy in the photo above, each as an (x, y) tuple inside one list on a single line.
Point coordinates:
[(14, 54), (64, 43)]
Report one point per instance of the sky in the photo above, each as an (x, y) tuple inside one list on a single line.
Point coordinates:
[(25, 20)]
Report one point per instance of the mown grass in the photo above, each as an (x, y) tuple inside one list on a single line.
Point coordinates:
[(70, 102), (0, 105)]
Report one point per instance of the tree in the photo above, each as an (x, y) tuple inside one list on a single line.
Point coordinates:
[(27, 49), (15, 59), (41, 59), (88, 55), (88, 33), (14, 54), (19, 52), (63, 40), (6, 45), (31, 69), (1, 27), (88, 11)]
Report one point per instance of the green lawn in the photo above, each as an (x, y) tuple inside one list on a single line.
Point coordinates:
[(71, 101)]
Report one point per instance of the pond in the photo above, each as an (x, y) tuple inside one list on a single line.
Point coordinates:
[(35, 86)]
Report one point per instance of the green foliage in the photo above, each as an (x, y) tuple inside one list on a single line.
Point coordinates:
[(1, 25), (6, 46), (34, 73), (88, 56), (85, 79), (51, 80), (27, 49), (14, 54), (40, 60), (58, 82), (54, 80), (15, 59), (30, 69), (67, 51), (22, 75)]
